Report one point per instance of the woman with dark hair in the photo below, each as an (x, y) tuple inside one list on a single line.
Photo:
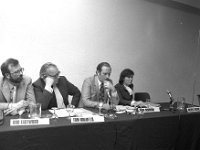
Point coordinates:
[(125, 88)]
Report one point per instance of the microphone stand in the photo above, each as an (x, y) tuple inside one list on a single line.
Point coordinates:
[(171, 103)]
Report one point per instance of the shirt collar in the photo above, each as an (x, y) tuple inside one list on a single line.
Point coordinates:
[(99, 82)]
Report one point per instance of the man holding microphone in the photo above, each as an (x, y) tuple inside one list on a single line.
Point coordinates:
[(99, 88)]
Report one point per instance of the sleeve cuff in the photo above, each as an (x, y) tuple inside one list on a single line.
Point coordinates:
[(49, 89), (114, 94), (132, 102)]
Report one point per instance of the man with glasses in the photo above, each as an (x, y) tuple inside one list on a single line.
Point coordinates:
[(16, 91), (52, 90)]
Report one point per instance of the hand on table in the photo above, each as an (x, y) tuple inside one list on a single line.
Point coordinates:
[(13, 107)]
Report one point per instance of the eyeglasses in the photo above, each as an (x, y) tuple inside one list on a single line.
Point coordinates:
[(54, 76), (18, 72)]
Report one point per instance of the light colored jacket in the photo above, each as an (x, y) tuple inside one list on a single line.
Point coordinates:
[(24, 90), (90, 92)]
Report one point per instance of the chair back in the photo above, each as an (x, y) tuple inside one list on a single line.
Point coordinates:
[(141, 96)]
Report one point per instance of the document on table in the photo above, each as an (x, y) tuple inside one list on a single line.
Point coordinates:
[(79, 112)]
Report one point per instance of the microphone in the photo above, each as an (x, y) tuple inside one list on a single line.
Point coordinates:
[(171, 98), (108, 90), (108, 93)]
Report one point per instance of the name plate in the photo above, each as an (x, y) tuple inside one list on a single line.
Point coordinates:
[(26, 122), (88, 119), (149, 110), (193, 109)]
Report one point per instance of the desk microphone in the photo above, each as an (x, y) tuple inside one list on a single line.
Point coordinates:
[(172, 101)]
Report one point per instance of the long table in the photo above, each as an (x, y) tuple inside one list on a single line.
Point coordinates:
[(164, 130)]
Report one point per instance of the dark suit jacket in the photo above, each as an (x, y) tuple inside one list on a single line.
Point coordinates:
[(124, 97), (48, 100)]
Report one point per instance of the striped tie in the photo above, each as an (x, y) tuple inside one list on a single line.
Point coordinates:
[(101, 94)]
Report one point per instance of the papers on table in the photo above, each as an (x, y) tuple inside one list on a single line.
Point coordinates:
[(61, 112), (79, 112), (151, 107), (79, 115), (149, 104)]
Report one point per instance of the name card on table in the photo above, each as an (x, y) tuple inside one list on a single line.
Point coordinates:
[(193, 109), (87, 119), (149, 110), (25, 122)]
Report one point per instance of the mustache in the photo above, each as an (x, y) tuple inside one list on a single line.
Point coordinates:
[(17, 80)]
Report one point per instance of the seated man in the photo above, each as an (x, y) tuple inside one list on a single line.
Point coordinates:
[(92, 88), (52, 90), (16, 91)]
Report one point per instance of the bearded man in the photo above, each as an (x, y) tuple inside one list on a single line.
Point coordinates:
[(16, 91)]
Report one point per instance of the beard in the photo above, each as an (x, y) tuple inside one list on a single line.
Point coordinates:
[(17, 80)]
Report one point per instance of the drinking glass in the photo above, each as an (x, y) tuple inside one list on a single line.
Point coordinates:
[(111, 111), (180, 103), (100, 106), (70, 109), (54, 113), (35, 110), (148, 103), (20, 112)]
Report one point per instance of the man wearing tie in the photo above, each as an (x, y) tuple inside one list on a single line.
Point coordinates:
[(99, 88), (52, 90), (16, 91)]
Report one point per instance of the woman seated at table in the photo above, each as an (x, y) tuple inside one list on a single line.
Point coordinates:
[(125, 89)]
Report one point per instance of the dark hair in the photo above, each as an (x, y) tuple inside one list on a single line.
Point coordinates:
[(5, 65), (99, 67), (125, 73), (45, 67)]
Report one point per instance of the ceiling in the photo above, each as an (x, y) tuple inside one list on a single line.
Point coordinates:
[(191, 6), (193, 3)]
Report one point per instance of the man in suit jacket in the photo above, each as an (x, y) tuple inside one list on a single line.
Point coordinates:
[(92, 85), (52, 90), (16, 90)]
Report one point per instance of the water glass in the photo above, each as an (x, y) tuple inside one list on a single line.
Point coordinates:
[(70, 109), (100, 106), (35, 110), (148, 103), (180, 103), (111, 111), (20, 112)]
